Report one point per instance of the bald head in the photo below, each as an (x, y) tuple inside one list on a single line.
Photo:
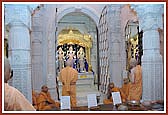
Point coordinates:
[(69, 63), (133, 62), (7, 70)]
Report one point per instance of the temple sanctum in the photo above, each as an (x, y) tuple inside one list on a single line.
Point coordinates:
[(100, 39)]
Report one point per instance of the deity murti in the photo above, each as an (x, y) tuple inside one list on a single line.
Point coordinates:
[(81, 55), (60, 58), (71, 53)]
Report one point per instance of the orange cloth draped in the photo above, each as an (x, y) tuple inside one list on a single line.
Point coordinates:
[(108, 101), (135, 91), (44, 101), (15, 101), (34, 99), (68, 77), (115, 89)]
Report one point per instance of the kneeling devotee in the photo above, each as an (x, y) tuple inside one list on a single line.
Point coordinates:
[(45, 102), (112, 88)]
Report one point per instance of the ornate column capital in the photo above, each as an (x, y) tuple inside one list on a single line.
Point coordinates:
[(17, 23), (150, 15), (15, 13)]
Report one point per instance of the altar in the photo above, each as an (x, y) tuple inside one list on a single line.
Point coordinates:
[(76, 46)]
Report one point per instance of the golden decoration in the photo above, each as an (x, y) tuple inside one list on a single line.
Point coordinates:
[(70, 36), (83, 76), (132, 42)]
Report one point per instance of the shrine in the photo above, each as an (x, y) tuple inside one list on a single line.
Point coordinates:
[(76, 47)]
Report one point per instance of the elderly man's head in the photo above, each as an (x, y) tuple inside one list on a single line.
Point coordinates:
[(69, 62), (44, 88), (133, 62), (111, 85), (7, 70)]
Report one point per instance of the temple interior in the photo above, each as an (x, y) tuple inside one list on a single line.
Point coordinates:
[(100, 39)]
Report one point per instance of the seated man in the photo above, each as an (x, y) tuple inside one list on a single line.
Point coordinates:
[(45, 102), (112, 88)]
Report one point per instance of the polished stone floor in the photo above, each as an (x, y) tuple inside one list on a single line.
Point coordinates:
[(83, 90)]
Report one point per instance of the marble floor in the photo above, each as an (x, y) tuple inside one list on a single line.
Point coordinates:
[(83, 90)]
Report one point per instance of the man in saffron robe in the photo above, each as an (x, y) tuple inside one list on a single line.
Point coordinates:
[(135, 90), (68, 77), (45, 102), (14, 99)]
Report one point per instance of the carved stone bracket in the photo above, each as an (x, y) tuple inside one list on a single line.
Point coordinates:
[(150, 16)]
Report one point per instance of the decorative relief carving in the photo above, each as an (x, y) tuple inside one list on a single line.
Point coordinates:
[(17, 13), (149, 15)]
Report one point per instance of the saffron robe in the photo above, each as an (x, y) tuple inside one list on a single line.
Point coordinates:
[(44, 102), (125, 89), (15, 100), (135, 90), (68, 77), (34, 99)]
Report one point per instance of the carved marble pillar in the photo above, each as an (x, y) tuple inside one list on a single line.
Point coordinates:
[(150, 19), (115, 44), (19, 48), (50, 50), (93, 52), (19, 55)]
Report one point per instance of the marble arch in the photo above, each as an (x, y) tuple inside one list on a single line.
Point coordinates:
[(87, 11)]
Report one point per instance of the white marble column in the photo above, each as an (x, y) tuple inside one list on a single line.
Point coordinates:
[(150, 19), (50, 49), (115, 44), (19, 48), (19, 54)]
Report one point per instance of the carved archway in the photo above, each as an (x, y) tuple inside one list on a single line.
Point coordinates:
[(84, 10)]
